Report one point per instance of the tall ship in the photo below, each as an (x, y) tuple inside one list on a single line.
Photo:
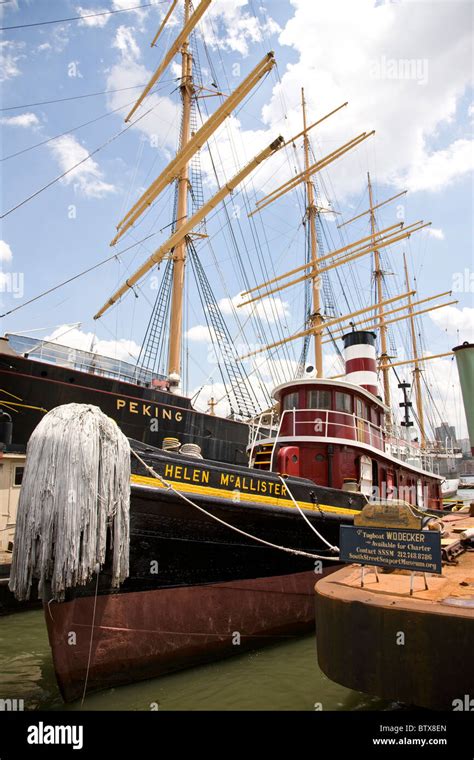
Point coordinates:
[(148, 398), (213, 544)]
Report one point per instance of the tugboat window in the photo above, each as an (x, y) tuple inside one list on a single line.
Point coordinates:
[(343, 402), (361, 409), (290, 401), (319, 400)]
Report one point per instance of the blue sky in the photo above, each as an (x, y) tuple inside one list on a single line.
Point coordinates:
[(405, 68)]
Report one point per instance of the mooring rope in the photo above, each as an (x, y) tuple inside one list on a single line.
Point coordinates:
[(334, 549), (170, 487), (86, 679)]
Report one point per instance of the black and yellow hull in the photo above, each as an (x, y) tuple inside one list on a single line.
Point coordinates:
[(198, 589)]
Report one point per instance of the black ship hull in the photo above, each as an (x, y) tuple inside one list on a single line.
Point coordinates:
[(30, 388), (198, 589)]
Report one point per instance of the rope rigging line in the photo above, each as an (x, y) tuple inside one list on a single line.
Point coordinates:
[(77, 97), (79, 18), (75, 166), (254, 233), (67, 132), (75, 277)]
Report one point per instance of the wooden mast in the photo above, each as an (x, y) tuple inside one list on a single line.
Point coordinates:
[(378, 274), (417, 370), (311, 211), (179, 254)]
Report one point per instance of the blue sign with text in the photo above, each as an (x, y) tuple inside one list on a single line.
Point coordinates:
[(400, 548)]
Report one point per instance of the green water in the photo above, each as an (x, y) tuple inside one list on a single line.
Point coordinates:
[(281, 677)]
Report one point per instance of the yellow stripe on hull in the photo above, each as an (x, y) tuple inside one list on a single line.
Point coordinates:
[(143, 480)]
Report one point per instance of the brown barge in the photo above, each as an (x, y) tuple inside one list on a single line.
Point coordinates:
[(417, 649)]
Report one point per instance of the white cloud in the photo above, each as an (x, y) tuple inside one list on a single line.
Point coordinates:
[(118, 5), (226, 25), (45, 46), (9, 56), (456, 322), (200, 334), (60, 38), (437, 170), (22, 120), (67, 335), (404, 77), (270, 309), (12, 5), (161, 125), (124, 41), (98, 21), (5, 252), (434, 232), (86, 178)]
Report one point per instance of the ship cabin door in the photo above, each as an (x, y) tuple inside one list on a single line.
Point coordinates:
[(319, 467), (365, 475), (375, 477)]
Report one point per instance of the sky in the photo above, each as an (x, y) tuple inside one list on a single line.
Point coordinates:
[(405, 69)]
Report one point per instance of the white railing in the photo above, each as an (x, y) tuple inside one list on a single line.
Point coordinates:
[(353, 427), (80, 360), (326, 423), (262, 427)]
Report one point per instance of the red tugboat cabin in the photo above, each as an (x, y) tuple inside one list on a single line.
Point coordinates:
[(333, 432)]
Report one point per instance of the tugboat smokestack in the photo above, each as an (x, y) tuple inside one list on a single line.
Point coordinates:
[(360, 359)]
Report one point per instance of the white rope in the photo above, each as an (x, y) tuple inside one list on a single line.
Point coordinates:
[(75, 490), (169, 487), (92, 636), (334, 549)]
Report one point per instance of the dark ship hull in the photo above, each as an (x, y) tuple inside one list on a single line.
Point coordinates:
[(29, 388), (198, 590)]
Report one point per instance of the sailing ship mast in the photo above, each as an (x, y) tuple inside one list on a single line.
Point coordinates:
[(378, 274), (176, 246), (417, 370), (179, 253), (311, 212), (178, 170)]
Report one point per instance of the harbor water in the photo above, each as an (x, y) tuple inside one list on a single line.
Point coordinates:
[(281, 677)]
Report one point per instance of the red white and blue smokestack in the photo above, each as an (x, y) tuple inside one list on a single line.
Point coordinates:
[(360, 359)]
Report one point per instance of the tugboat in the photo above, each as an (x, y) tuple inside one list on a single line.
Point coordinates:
[(333, 432)]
